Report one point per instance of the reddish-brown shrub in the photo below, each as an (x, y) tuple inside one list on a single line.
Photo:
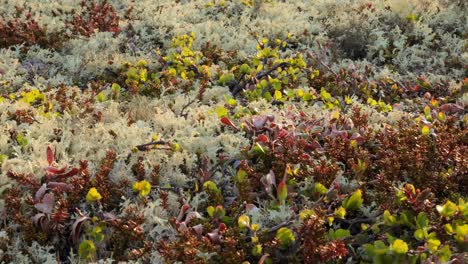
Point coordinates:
[(95, 16)]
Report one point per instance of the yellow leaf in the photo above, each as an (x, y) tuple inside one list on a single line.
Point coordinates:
[(143, 187), (340, 212), (335, 115), (425, 131), (278, 95), (243, 221), (93, 195), (400, 247)]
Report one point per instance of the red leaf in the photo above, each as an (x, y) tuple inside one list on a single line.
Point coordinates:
[(50, 155), (55, 171), (71, 173), (262, 138), (227, 122), (222, 227), (282, 133)]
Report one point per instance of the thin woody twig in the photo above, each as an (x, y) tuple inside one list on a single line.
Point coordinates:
[(185, 107), (275, 228), (145, 146)]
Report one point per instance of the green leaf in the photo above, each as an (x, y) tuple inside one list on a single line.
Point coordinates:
[(87, 250), (211, 186), (210, 210), (263, 84), (226, 78), (405, 217), (389, 219), (21, 140), (400, 247), (364, 227), (420, 234), (444, 254), (448, 209), (432, 235), (319, 188), (96, 234), (370, 249), (285, 237), (338, 234), (258, 149), (390, 238), (241, 176), (353, 202), (282, 192), (433, 245), (462, 206), (245, 69), (116, 89), (3, 158), (448, 229), (326, 96), (275, 83), (421, 220), (257, 250), (380, 247), (461, 232), (101, 97), (375, 228)]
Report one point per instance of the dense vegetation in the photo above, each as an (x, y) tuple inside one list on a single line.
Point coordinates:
[(236, 131)]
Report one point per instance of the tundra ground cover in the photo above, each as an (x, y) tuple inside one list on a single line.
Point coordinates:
[(233, 131)]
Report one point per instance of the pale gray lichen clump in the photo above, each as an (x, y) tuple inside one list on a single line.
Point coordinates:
[(345, 33), (76, 97)]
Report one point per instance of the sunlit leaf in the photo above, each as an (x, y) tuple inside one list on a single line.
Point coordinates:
[(353, 202), (285, 237), (243, 221), (399, 246)]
